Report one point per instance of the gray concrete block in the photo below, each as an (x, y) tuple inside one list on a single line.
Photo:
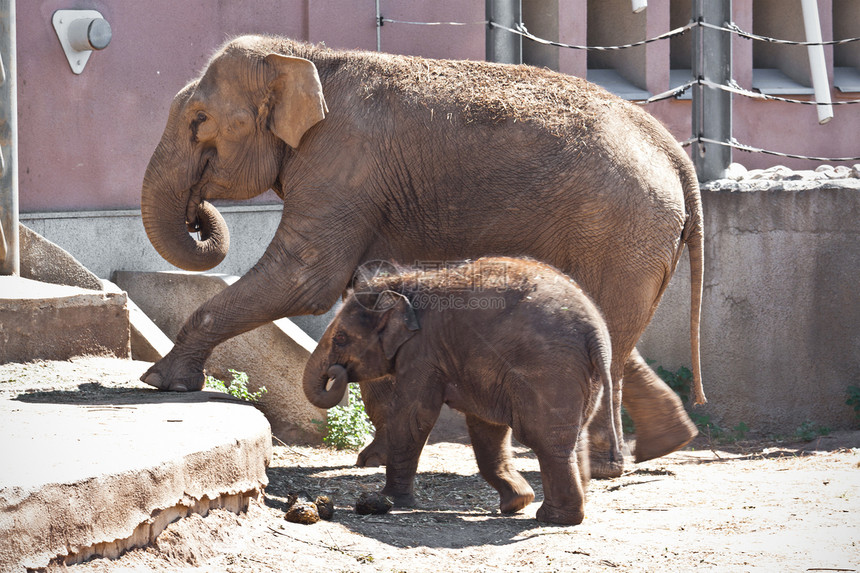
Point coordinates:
[(55, 322), (47, 262), (273, 355), (148, 343)]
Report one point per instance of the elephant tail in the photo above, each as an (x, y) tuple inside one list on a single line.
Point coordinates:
[(693, 236)]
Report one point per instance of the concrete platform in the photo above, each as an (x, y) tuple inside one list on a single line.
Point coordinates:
[(93, 462), (273, 355), (56, 322)]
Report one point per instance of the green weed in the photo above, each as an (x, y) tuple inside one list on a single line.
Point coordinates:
[(807, 431), (347, 427), (237, 387), (854, 400)]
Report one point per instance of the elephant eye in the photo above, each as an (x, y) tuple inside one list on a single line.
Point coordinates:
[(201, 117), (340, 339)]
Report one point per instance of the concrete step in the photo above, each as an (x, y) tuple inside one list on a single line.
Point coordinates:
[(55, 322), (94, 462)]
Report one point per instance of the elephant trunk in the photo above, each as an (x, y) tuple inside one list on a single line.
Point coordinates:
[(326, 390), (171, 211)]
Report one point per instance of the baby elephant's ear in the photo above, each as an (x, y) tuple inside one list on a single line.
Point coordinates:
[(398, 324)]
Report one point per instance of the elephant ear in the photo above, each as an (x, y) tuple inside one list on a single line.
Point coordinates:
[(398, 324), (295, 98)]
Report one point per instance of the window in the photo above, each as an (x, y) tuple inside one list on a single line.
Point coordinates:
[(846, 57), (622, 72), (680, 47), (779, 68)]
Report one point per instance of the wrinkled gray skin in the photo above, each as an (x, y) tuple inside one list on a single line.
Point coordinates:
[(400, 158), (526, 353)]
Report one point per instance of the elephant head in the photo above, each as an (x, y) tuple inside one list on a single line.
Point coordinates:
[(227, 136), (359, 345)]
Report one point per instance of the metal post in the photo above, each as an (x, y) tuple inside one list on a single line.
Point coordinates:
[(378, 28), (9, 256), (504, 46), (712, 107)]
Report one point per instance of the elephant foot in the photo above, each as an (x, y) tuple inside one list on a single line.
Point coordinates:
[(560, 516), (168, 375), (400, 499), (664, 438), (517, 500), (602, 465), (662, 424), (374, 455)]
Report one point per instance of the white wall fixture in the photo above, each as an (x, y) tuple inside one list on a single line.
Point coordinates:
[(817, 65), (80, 33)]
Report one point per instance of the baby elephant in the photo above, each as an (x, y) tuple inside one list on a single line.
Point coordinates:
[(513, 344)]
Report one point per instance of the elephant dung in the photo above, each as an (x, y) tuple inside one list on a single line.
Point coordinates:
[(373, 504)]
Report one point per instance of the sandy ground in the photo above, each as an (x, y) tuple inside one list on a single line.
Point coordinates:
[(748, 507)]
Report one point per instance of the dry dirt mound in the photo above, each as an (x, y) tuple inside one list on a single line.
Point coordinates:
[(759, 506)]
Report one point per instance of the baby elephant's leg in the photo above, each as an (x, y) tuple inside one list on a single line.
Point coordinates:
[(407, 431), (492, 445), (564, 495), (375, 396)]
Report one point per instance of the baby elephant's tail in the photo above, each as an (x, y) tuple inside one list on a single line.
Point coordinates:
[(601, 355)]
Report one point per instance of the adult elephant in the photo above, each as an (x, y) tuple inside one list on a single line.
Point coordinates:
[(379, 156)]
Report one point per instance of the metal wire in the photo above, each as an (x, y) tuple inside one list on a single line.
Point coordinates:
[(382, 20), (751, 149), (734, 29), (755, 95), (522, 31)]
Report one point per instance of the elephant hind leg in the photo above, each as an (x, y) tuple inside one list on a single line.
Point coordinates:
[(563, 487), (492, 446), (662, 424)]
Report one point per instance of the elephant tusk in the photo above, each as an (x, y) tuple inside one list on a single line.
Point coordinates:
[(329, 384)]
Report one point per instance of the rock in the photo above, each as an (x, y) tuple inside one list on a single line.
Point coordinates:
[(373, 503), (735, 172), (840, 172)]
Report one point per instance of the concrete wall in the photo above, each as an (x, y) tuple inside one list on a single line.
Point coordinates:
[(85, 139), (781, 317), (108, 241)]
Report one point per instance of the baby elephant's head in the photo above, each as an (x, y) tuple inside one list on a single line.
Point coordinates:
[(359, 344)]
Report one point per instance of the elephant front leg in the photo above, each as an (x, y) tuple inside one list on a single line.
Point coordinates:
[(492, 446), (257, 298), (375, 396), (407, 433)]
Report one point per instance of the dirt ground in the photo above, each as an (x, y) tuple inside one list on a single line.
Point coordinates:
[(749, 507), (746, 506)]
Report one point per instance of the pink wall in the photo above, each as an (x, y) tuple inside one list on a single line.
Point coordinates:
[(85, 139)]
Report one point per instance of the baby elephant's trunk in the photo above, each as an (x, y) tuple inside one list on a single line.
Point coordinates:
[(325, 390)]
